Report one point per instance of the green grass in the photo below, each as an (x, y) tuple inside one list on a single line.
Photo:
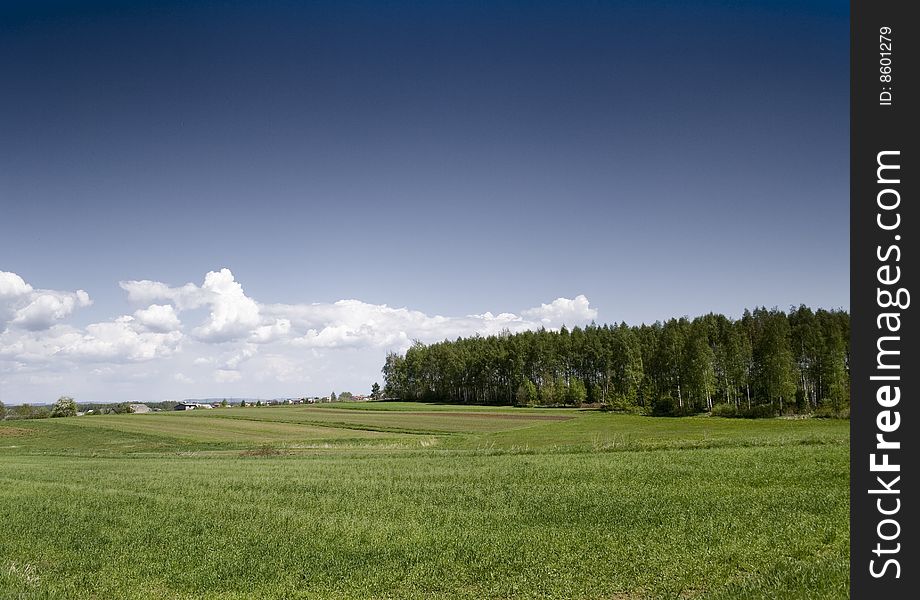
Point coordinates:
[(391, 500)]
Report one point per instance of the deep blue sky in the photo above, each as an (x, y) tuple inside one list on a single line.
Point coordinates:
[(662, 158)]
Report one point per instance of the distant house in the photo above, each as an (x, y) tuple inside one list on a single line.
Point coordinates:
[(191, 405), (139, 409)]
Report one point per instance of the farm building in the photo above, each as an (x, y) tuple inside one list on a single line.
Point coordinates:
[(191, 405)]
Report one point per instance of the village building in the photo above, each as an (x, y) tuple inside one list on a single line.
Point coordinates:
[(192, 405)]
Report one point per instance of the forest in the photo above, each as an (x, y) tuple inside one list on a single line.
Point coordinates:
[(766, 363)]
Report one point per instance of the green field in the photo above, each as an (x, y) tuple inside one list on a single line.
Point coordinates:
[(399, 500)]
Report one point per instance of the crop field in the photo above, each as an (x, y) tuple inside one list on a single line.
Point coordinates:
[(403, 500)]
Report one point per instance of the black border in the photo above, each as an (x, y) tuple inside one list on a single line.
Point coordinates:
[(875, 128)]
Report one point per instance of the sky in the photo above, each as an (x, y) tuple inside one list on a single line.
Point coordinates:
[(241, 199)]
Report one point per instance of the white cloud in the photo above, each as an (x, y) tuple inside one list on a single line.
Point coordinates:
[(160, 318), (563, 311), (12, 285), (352, 323), (25, 307), (234, 315), (238, 342), (122, 340), (273, 332), (147, 292), (36, 334)]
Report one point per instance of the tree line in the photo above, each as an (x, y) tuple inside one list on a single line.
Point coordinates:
[(767, 362), (65, 406)]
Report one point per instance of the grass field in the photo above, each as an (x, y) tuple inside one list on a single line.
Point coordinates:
[(399, 500)]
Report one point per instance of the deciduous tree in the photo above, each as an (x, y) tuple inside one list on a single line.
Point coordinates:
[(64, 407)]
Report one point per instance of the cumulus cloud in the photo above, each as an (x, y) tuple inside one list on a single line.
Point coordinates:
[(563, 310), (277, 330), (233, 315), (144, 291), (25, 307), (34, 333), (160, 318), (121, 340), (239, 340), (351, 323), (47, 307), (12, 285)]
